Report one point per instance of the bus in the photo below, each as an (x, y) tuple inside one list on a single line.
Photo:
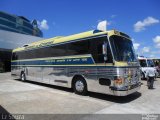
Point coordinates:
[(97, 61), (146, 63)]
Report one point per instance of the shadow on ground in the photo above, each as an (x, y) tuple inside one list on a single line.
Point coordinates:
[(146, 79), (111, 98), (116, 99), (5, 115)]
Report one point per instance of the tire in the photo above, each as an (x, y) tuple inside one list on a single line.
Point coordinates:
[(23, 77), (142, 76), (80, 86)]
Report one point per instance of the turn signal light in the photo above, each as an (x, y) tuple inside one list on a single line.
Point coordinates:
[(118, 81)]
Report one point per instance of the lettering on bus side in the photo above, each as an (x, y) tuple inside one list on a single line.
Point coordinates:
[(40, 45), (70, 61), (84, 59)]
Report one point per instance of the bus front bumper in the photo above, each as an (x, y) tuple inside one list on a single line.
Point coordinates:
[(126, 92)]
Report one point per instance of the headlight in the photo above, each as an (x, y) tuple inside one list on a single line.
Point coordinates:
[(119, 82)]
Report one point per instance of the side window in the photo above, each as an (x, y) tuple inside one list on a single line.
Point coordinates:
[(20, 55), (14, 56), (59, 50), (78, 48), (99, 44), (53, 51), (96, 50), (92, 46), (109, 55), (26, 54)]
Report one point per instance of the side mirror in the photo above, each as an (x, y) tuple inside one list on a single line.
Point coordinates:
[(104, 50)]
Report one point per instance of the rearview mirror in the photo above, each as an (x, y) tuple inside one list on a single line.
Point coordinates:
[(104, 50)]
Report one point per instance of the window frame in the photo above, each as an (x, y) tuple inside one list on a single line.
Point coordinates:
[(90, 41)]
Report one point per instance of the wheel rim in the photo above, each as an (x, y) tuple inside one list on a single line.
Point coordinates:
[(22, 77), (142, 76), (79, 86)]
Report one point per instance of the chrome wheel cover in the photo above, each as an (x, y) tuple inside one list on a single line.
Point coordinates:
[(79, 85), (23, 77)]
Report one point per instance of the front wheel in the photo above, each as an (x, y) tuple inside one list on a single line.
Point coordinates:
[(23, 76), (142, 76), (80, 86)]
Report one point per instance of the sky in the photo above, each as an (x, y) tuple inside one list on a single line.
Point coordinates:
[(140, 19)]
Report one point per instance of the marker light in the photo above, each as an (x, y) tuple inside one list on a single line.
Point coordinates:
[(119, 82)]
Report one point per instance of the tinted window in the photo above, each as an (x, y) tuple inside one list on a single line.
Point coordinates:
[(9, 17), (143, 63), (96, 50), (74, 48), (28, 25), (150, 63), (23, 29), (122, 49), (53, 51), (78, 48), (7, 23), (93, 46), (8, 29)]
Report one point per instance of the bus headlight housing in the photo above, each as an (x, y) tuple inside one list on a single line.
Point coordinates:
[(119, 82)]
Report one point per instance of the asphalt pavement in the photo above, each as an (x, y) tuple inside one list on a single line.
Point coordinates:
[(30, 98)]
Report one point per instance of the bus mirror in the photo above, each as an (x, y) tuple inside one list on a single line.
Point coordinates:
[(105, 58), (104, 49)]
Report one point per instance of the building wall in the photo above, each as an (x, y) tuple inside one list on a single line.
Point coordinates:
[(19, 24), (5, 60), (15, 31), (12, 40)]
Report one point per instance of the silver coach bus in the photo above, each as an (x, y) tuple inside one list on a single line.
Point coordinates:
[(98, 61)]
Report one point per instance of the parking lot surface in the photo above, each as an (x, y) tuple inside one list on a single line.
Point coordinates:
[(18, 97)]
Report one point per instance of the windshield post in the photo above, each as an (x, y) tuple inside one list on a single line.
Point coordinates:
[(111, 50), (104, 49)]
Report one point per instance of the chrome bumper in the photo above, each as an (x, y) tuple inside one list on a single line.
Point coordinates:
[(126, 92)]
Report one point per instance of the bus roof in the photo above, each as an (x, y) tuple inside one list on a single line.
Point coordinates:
[(61, 39), (144, 58), (155, 58)]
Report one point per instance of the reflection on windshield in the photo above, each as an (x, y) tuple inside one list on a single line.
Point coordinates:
[(122, 49), (150, 63), (143, 63)]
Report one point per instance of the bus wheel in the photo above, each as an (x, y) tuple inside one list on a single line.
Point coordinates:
[(80, 86), (23, 76), (142, 76)]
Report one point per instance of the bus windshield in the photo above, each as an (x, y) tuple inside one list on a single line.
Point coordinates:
[(122, 49), (150, 63), (143, 63)]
